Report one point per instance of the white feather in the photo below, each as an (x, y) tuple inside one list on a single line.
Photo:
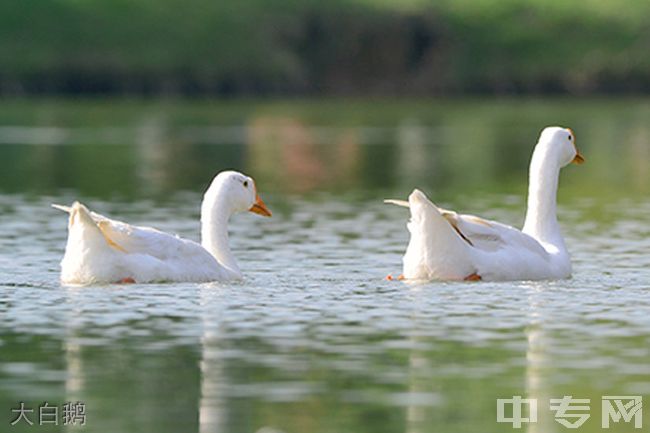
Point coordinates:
[(402, 203)]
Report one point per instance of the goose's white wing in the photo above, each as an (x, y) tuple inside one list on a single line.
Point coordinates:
[(100, 249), (484, 234), (146, 240), (448, 245), (489, 235)]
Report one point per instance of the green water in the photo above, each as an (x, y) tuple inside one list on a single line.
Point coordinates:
[(313, 339)]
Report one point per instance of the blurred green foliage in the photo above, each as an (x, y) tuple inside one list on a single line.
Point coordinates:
[(342, 47)]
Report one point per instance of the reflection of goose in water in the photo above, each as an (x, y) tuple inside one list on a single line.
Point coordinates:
[(420, 400), (116, 370), (537, 355), (103, 250), (449, 246), (74, 379), (211, 401)]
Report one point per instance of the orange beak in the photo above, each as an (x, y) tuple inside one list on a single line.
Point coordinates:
[(259, 207), (578, 159)]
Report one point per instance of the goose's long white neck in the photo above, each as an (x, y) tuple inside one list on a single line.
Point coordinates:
[(215, 214), (541, 216)]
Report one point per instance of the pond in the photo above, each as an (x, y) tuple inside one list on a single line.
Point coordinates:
[(314, 339)]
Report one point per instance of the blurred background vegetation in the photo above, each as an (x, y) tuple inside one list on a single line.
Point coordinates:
[(313, 48)]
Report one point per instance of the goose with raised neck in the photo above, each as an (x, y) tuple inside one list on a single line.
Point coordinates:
[(446, 245)]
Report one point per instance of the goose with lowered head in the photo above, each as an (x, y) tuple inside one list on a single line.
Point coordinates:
[(102, 250), (445, 245)]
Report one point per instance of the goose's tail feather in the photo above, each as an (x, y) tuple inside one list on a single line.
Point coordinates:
[(67, 209), (90, 227), (402, 203), (77, 212), (80, 220), (435, 249)]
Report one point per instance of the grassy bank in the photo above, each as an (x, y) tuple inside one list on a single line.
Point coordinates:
[(342, 47)]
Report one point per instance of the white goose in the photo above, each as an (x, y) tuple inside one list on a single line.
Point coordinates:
[(446, 245), (101, 250)]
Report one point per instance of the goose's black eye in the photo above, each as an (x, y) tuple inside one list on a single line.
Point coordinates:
[(245, 184), (570, 138)]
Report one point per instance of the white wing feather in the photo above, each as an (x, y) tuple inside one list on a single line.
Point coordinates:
[(122, 250), (490, 235), (150, 241), (473, 246)]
